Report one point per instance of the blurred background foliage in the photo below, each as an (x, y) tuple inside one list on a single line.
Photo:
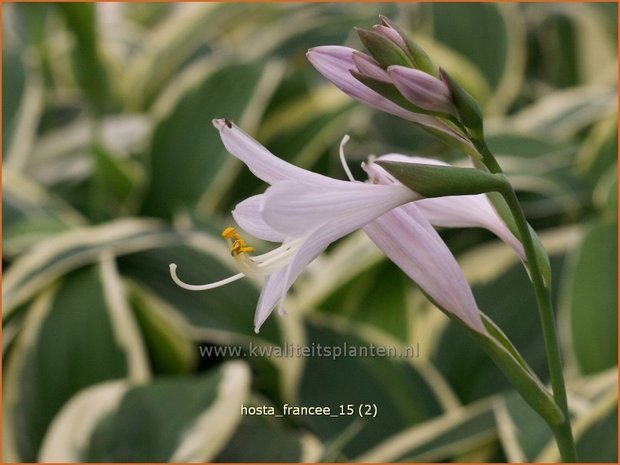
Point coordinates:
[(112, 170)]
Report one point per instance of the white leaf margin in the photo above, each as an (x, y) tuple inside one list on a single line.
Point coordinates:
[(70, 432)]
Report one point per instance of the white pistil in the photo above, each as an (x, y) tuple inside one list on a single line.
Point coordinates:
[(343, 160), (269, 262), (201, 287), (259, 265)]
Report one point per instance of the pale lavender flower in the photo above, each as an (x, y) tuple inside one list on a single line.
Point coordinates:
[(306, 211)]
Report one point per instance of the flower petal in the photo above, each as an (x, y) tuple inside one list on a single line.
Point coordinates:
[(293, 209), (464, 211), (269, 297), (264, 164), (469, 211), (247, 215), (314, 244), (323, 233), (279, 283), (408, 239)]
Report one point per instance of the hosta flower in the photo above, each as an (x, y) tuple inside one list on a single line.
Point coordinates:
[(306, 211)]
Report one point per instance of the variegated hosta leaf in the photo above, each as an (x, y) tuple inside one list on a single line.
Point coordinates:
[(13, 87), (383, 289), (165, 332), (30, 214), (90, 70), (260, 439), (65, 252), (441, 438), (64, 153), (185, 158), (502, 60), (542, 170), (146, 248), (598, 153), (574, 44), (404, 390), (78, 332), (175, 420), (592, 299), (560, 115)]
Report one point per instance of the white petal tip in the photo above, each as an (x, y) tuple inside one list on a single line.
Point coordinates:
[(259, 321), (222, 123), (173, 266)]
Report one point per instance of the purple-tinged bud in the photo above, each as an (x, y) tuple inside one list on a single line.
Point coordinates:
[(369, 67), (422, 89), (383, 49), (420, 59), (337, 64), (391, 34)]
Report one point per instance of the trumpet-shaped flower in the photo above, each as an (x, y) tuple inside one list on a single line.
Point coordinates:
[(306, 211)]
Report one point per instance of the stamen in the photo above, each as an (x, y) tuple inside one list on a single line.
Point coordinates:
[(203, 287), (237, 244), (343, 142), (230, 233)]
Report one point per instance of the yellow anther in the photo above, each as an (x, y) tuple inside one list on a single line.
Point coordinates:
[(237, 244), (230, 233), (235, 248)]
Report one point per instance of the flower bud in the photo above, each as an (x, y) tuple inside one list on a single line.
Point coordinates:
[(440, 181), (420, 59), (384, 50), (468, 109), (391, 34), (369, 67), (422, 89)]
